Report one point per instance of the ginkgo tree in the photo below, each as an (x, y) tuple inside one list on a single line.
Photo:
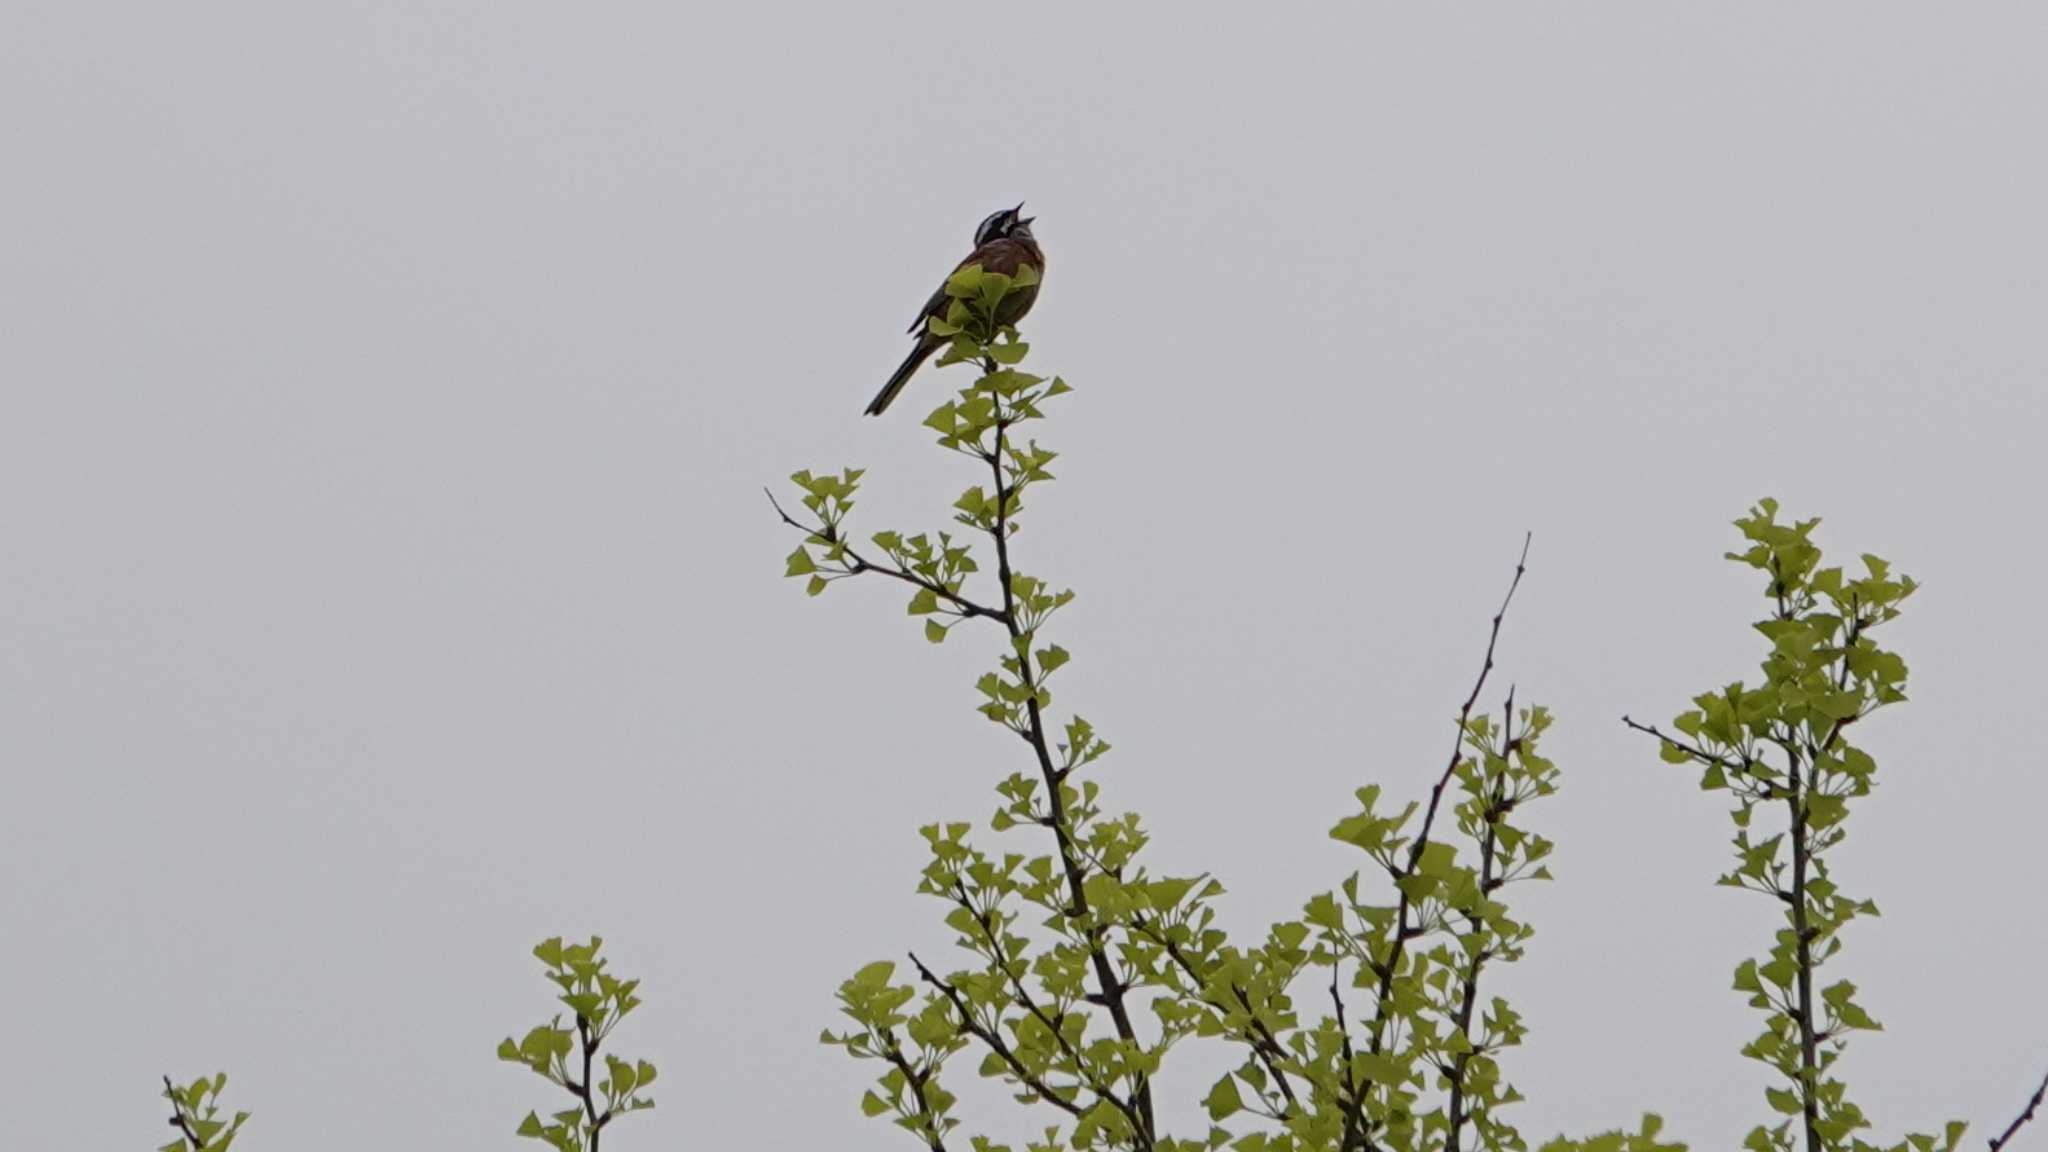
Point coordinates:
[(1366, 1022), (1370, 1021)]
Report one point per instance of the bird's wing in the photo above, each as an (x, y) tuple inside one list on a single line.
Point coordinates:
[(936, 306)]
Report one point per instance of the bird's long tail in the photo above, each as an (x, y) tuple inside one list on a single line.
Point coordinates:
[(918, 355)]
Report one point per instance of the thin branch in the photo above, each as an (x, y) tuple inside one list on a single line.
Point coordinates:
[(1493, 637), (179, 1122), (995, 1041), (1352, 1090), (1802, 931), (1809, 1057), (1436, 794), (1850, 637), (1692, 750), (1404, 930), (893, 1053), (584, 1090), (821, 533), (1112, 989), (1270, 1053), (1027, 1001), (1256, 1035), (829, 534), (1495, 807), (1998, 1141)]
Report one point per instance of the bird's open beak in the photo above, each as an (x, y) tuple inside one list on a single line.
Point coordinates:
[(1018, 210), (1026, 221)]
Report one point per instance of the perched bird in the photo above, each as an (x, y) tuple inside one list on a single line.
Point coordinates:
[(1003, 243)]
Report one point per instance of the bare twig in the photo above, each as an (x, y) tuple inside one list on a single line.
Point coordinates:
[(1436, 794), (1404, 929), (1998, 1142)]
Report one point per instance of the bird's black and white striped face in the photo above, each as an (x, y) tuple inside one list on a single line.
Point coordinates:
[(998, 225)]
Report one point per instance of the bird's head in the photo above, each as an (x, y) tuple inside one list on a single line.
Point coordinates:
[(1003, 224)]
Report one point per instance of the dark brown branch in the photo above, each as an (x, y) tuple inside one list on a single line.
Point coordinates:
[(584, 1091), (1112, 989), (1802, 931), (1403, 929), (1998, 1142), (1027, 1001), (1493, 637), (995, 1041), (184, 1126), (1692, 750), (1353, 1091), (1257, 1035), (829, 534), (1496, 800), (1436, 793), (1270, 1053), (893, 1053), (1849, 638), (1809, 1062)]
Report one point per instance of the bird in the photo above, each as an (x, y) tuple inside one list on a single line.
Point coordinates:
[(1002, 243)]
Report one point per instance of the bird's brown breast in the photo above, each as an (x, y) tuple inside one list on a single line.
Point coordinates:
[(1006, 256)]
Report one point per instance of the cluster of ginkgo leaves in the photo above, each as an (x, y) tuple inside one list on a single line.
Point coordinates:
[(195, 1113), (567, 1054)]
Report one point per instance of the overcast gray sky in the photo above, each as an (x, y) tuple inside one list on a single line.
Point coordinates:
[(386, 392)]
